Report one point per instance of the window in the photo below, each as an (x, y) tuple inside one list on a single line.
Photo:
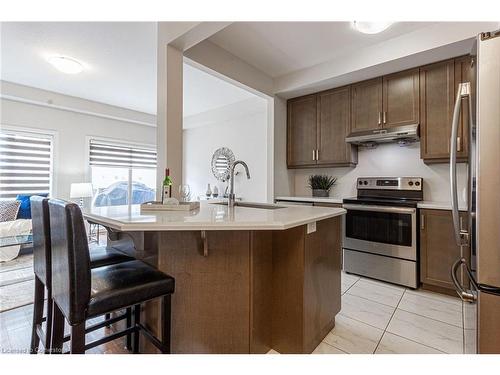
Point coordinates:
[(122, 174), (25, 163)]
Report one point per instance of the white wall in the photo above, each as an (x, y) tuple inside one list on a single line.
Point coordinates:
[(246, 135), (283, 177), (71, 130), (388, 160)]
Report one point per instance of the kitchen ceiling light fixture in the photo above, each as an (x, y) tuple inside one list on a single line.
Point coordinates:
[(371, 27), (66, 64)]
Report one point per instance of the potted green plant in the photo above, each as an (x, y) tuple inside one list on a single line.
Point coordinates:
[(321, 184)]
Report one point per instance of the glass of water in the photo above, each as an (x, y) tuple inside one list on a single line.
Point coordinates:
[(185, 192)]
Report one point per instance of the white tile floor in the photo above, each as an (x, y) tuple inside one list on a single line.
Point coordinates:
[(382, 318), (377, 317)]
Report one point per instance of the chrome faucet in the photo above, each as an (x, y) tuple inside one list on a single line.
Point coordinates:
[(231, 196)]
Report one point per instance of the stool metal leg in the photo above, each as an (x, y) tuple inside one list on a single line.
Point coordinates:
[(78, 339), (37, 315), (166, 322), (57, 330), (129, 324), (107, 316), (137, 321), (48, 322)]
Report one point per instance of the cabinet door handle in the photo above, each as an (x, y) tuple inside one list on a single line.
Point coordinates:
[(459, 144), (422, 221), (379, 118), (317, 154), (314, 155), (385, 117)]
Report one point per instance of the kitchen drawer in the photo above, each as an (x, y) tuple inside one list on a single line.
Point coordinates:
[(393, 270)]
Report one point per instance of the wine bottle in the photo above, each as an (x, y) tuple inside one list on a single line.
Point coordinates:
[(166, 190)]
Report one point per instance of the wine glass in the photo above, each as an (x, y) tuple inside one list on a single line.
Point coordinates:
[(185, 192)]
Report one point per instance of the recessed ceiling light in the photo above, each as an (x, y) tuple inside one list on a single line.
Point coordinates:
[(66, 64), (371, 27)]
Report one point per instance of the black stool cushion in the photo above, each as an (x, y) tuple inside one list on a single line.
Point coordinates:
[(101, 256), (126, 284)]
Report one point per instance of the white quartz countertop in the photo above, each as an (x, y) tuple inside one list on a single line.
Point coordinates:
[(433, 205), (310, 199), (209, 217)]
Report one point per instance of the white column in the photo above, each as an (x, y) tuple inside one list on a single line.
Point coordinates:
[(169, 116)]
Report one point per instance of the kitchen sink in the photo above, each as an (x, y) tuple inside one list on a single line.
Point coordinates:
[(264, 206)]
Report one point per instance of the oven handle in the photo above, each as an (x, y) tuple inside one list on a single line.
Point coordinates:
[(362, 207)]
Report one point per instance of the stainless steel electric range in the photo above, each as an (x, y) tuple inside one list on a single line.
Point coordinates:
[(380, 237)]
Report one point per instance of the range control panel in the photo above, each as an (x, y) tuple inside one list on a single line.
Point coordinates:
[(390, 183)]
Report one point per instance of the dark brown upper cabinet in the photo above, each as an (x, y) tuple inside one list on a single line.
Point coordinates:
[(319, 123), (334, 124), (438, 88), (400, 99), (317, 127), (385, 102), (464, 73), (436, 110), (301, 131), (366, 105)]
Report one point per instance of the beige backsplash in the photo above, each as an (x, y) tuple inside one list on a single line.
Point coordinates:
[(386, 161)]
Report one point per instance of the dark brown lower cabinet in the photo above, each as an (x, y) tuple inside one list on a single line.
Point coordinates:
[(438, 250)]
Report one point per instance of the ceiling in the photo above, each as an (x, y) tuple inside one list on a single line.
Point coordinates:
[(278, 48), (204, 92), (119, 59)]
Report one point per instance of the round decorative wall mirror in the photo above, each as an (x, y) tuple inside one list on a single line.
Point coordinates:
[(221, 163)]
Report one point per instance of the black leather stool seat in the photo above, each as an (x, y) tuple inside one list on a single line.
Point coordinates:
[(125, 284), (101, 256)]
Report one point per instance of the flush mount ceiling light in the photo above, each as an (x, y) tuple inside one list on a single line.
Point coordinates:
[(371, 27), (66, 64)]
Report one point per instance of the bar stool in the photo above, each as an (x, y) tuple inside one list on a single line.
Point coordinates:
[(99, 256), (80, 293)]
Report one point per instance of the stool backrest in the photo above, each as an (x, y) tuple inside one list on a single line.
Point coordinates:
[(71, 280), (41, 239)]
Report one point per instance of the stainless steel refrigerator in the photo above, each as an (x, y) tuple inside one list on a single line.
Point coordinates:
[(480, 243)]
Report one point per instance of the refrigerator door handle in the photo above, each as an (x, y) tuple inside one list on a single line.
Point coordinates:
[(465, 295), (461, 236)]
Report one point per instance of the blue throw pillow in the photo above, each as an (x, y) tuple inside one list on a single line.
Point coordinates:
[(25, 207)]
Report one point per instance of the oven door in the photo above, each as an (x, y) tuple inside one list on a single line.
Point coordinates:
[(383, 230)]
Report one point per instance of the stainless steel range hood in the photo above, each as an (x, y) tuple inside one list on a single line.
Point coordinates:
[(401, 134)]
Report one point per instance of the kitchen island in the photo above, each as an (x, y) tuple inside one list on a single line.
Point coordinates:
[(248, 279)]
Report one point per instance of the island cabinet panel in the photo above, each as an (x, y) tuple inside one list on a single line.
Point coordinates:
[(211, 303), (261, 277), (301, 131), (306, 285), (438, 250), (334, 124), (400, 99), (321, 281), (366, 105)]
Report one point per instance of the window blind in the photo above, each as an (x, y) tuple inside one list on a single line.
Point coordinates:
[(112, 155), (25, 164)]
